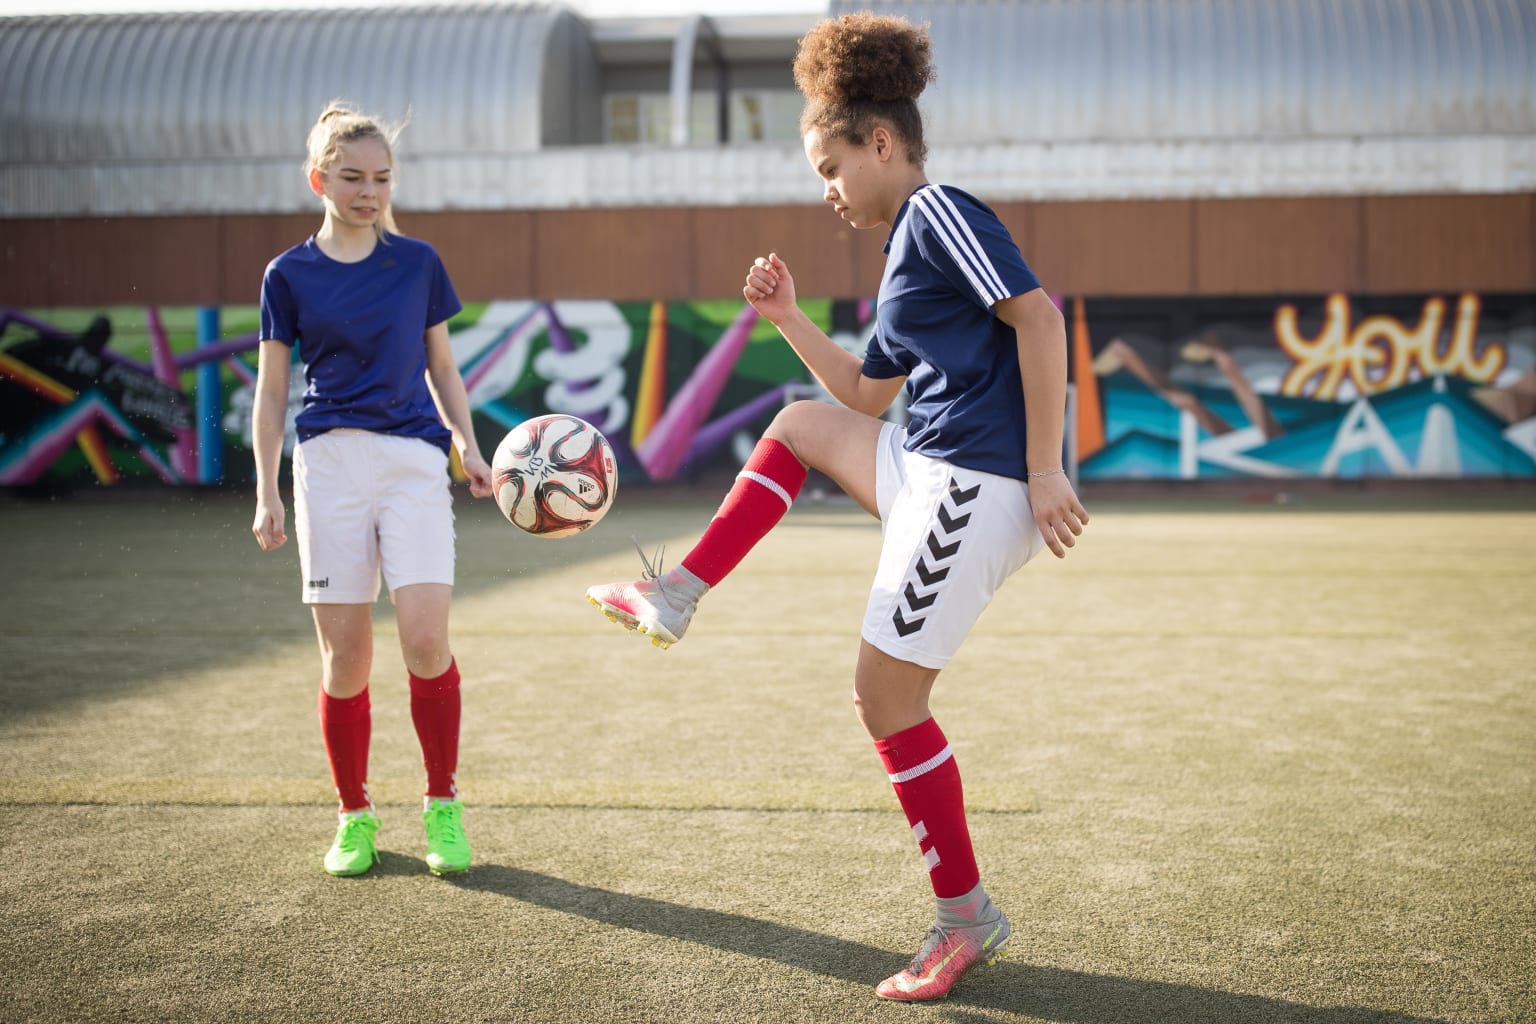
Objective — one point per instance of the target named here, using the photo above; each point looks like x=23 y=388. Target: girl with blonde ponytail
x=367 y=311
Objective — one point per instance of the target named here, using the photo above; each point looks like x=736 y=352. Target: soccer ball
x=554 y=475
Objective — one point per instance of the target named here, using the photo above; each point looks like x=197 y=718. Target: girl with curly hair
x=967 y=492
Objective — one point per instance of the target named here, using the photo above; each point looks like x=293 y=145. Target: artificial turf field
x=1225 y=763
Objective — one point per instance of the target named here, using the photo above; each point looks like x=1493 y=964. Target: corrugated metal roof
x=207 y=113
x=247 y=85
x=1053 y=71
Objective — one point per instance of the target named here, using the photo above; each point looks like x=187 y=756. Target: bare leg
x=421 y=610
x=345 y=632
x=834 y=440
x=889 y=694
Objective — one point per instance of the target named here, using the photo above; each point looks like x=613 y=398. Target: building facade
x=1293 y=237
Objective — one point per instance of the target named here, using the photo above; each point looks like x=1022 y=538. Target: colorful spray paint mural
x=1330 y=387
x=100 y=396
x=1326 y=386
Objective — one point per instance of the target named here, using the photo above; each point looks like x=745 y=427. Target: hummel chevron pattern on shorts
x=945 y=956
x=943 y=544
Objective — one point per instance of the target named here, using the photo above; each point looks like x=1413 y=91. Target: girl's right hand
x=268 y=526
x=770 y=289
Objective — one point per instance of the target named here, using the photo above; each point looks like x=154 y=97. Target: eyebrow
x=359 y=170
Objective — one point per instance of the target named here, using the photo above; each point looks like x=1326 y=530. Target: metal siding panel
x=1278 y=246
x=631 y=254
x=823 y=253
x=1115 y=248
x=1444 y=243
x=26 y=263
x=487 y=254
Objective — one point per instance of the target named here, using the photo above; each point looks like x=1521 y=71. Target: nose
x=829 y=193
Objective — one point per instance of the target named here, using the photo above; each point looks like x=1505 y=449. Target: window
x=765 y=115
x=756 y=115
x=645 y=118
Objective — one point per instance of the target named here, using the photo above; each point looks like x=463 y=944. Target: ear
x=317 y=182
x=884 y=142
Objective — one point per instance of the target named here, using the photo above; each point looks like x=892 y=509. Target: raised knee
x=790 y=421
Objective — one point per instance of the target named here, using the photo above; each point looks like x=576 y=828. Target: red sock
x=927 y=783
x=763 y=491
x=435 y=710
x=347 y=725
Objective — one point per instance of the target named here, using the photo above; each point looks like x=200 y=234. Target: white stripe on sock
x=922 y=769
x=919 y=832
x=769 y=483
x=931 y=858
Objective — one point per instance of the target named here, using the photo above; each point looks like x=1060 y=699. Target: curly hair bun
x=864 y=58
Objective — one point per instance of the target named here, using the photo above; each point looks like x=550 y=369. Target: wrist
x=791 y=317
x=1034 y=474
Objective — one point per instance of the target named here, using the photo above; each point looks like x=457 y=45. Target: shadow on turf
x=1013 y=986
x=168 y=581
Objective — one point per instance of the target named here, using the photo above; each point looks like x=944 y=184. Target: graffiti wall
x=1324 y=386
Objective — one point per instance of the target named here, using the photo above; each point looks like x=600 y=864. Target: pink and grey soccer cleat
x=660 y=606
x=944 y=958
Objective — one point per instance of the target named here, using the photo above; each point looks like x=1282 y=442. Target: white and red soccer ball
x=554 y=475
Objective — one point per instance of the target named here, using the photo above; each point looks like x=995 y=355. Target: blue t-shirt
x=360 y=330
x=949 y=260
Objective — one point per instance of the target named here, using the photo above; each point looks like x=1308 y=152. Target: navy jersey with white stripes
x=949 y=260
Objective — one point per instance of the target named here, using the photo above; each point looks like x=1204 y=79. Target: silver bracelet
x=1048 y=472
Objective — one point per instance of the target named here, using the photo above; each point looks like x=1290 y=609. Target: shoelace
x=652 y=572
x=445 y=817
x=936 y=937
x=352 y=834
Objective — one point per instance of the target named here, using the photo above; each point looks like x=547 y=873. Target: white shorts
x=365 y=501
x=951 y=537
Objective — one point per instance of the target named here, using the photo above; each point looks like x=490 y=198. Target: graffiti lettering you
x=1380 y=352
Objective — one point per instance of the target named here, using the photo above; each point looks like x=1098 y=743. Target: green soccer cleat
x=354 y=850
x=447 y=846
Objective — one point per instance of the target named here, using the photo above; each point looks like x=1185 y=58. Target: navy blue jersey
x=360 y=330
x=949 y=260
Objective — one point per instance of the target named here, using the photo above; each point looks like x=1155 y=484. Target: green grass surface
x=1225 y=764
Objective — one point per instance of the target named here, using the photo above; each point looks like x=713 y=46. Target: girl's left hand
x=479 y=474
x=1058 y=513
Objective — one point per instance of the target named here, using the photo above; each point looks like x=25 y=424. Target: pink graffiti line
x=27 y=458
x=184 y=448
x=493 y=353
x=664 y=448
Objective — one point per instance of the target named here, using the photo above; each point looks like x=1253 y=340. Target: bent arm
x=1042 y=341
x=770 y=288
x=838 y=370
